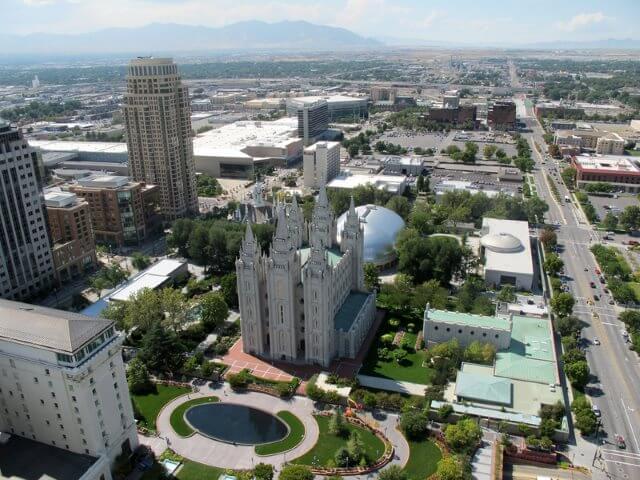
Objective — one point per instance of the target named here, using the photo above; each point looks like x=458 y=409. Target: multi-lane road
x=615 y=387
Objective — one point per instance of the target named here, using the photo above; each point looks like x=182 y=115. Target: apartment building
x=74 y=248
x=123 y=212
x=321 y=164
x=157 y=115
x=26 y=264
x=63 y=392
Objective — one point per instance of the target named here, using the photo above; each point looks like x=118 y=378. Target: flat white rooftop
x=141 y=282
x=391 y=183
x=327 y=145
x=97 y=181
x=516 y=261
x=59 y=199
x=335 y=99
x=229 y=140
x=61 y=146
x=608 y=163
x=166 y=266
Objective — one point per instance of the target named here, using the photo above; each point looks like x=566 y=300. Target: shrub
x=414 y=424
x=296 y=472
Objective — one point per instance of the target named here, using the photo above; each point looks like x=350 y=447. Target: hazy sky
x=472 y=21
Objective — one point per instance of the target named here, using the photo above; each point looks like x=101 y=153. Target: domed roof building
x=501 y=242
x=381 y=227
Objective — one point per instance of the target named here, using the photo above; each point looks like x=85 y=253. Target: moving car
x=593 y=284
x=596 y=410
x=620 y=441
x=596 y=341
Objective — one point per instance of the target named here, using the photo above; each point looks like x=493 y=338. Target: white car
x=596 y=341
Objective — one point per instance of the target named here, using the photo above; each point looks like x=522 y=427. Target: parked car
x=596 y=410
x=593 y=284
x=596 y=341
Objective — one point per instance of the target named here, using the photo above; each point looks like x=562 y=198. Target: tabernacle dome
x=381 y=227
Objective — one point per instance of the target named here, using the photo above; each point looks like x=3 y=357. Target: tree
x=394 y=472
x=174 y=307
x=420 y=183
x=214 y=310
x=568 y=326
x=143 y=310
x=229 y=289
x=117 y=312
x=630 y=218
x=399 y=355
x=631 y=318
x=548 y=237
x=138 y=377
x=140 y=261
x=354 y=150
x=535 y=208
x=429 y=258
x=562 y=304
x=506 y=294
x=610 y=221
x=161 y=350
x=463 y=435
x=355 y=447
x=400 y=205
x=578 y=373
x=296 y=472
x=337 y=425
x=500 y=154
x=569 y=176
x=525 y=164
x=488 y=151
x=414 y=424
x=432 y=293
x=371 y=276
x=553 y=264
x=263 y=471
x=451 y=468
x=554 y=150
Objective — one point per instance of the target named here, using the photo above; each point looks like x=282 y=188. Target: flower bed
x=245 y=380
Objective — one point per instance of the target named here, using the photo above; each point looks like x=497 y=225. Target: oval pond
x=236 y=423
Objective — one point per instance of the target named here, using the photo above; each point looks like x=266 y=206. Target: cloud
x=581 y=21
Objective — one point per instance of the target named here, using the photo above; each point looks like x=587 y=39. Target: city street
x=615 y=369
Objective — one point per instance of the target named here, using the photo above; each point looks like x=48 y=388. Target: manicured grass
x=296 y=434
x=191 y=470
x=423 y=459
x=634 y=153
x=328 y=444
x=177 y=420
x=149 y=405
x=411 y=368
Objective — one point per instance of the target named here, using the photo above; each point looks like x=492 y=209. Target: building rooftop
x=23 y=459
x=71 y=146
x=138 y=284
x=323 y=144
x=470 y=319
x=333 y=256
x=229 y=140
x=391 y=183
x=335 y=99
x=608 y=163
x=47 y=328
x=349 y=310
x=59 y=199
x=502 y=252
x=104 y=181
x=484 y=388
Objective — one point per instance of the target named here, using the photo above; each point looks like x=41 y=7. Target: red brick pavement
x=344 y=367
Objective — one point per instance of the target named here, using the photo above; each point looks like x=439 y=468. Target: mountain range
x=171 y=37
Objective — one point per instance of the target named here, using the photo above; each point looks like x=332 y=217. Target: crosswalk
x=618 y=458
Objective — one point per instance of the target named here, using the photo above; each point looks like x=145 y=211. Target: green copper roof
x=484 y=388
x=349 y=310
x=480 y=321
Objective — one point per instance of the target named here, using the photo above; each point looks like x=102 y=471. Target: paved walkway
x=225 y=455
x=391 y=385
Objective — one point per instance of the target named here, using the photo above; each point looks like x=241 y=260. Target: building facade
x=305 y=301
x=122 y=212
x=158 y=119
x=74 y=248
x=502 y=116
x=26 y=263
x=313 y=118
x=320 y=164
x=64 y=386
x=621 y=171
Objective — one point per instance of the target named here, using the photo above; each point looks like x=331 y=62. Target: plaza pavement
x=224 y=455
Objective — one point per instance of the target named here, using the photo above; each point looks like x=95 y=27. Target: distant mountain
x=157 y=37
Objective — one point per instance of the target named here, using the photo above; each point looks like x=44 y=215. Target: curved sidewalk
x=224 y=455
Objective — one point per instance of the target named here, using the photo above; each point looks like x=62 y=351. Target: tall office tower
x=26 y=265
x=313 y=117
x=321 y=163
x=63 y=394
x=158 y=119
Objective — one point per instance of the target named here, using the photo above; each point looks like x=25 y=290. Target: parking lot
x=436 y=140
x=604 y=205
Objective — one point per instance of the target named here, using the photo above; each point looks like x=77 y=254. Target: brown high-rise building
x=74 y=248
x=157 y=114
x=123 y=212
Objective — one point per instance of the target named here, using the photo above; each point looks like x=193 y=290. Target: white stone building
x=440 y=326
x=63 y=384
x=321 y=163
x=305 y=301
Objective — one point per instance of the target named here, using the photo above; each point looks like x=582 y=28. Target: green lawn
x=177 y=420
x=191 y=470
x=423 y=459
x=635 y=286
x=149 y=405
x=410 y=370
x=296 y=434
x=634 y=153
x=328 y=444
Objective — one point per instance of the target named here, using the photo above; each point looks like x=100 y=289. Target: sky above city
x=460 y=21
